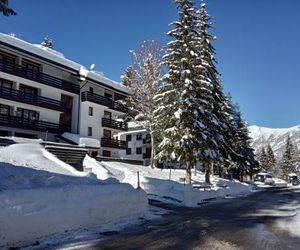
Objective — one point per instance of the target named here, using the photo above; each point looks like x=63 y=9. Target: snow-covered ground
x=165 y=184
x=40 y=196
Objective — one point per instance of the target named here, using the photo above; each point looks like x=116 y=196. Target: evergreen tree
x=47 y=42
x=289 y=159
x=221 y=125
x=142 y=78
x=271 y=161
x=263 y=160
x=184 y=113
x=5 y=9
x=243 y=155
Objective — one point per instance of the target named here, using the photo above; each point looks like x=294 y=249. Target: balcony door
x=106 y=133
x=32 y=69
x=4 y=110
x=28 y=114
x=65 y=119
x=107 y=115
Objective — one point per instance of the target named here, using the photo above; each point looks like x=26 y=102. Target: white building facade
x=139 y=145
x=43 y=95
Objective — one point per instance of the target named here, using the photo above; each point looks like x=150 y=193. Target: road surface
x=264 y=220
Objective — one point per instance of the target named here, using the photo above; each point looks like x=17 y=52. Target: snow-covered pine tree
x=221 y=124
x=142 y=78
x=184 y=114
x=289 y=159
x=5 y=9
x=47 y=42
x=271 y=161
x=263 y=160
x=243 y=154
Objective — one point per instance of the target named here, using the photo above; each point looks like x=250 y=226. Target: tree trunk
x=152 y=160
x=207 y=172
x=188 y=173
x=195 y=170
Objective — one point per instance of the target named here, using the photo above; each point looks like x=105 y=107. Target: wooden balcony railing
x=102 y=100
x=40 y=101
x=24 y=123
x=36 y=76
x=113 y=143
x=109 y=123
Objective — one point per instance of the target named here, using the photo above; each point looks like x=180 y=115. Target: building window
x=108 y=95
x=138 y=151
x=128 y=151
x=28 y=114
x=5 y=133
x=139 y=137
x=31 y=66
x=128 y=137
x=90 y=111
x=7 y=58
x=27 y=90
x=90 y=131
x=106 y=133
x=4 y=109
x=107 y=115
x=5 y=83
x=91 y=90
x=119 y=97
x=25 y=135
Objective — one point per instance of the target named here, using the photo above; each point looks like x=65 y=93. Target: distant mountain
x=276 y=137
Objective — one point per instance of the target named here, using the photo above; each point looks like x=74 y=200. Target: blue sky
x=258 y=46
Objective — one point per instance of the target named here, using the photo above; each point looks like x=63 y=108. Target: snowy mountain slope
x=276 y=137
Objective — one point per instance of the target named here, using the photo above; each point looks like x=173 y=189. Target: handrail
x=113 y=143
x=114 y=124
x=40 y=77
x=37 y=100
x=102 y=100
x=25 y=123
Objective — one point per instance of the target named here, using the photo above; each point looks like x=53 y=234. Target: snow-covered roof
x=133 y=132
x=292 y=174
x=48 y=53
x=58 y=58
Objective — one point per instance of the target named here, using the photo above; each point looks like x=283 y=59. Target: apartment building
x=43 y=94
x=139 y=145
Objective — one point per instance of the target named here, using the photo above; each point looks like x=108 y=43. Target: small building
x=139 y=145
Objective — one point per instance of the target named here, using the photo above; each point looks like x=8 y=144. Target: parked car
x=293 y=179
x=261 y=177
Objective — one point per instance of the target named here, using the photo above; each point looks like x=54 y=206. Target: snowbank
x=82 y=141
x=164 y=184
x=33 y=155
x=92 y=166
x=40 y=196
x=27 y=216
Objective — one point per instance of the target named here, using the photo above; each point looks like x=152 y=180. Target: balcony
x=32 y=75
x=20 y=122
x=113 y=143
x=102 y=100
x=36 y=100
x=109 y=123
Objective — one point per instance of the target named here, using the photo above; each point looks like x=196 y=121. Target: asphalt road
x=264 y=220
